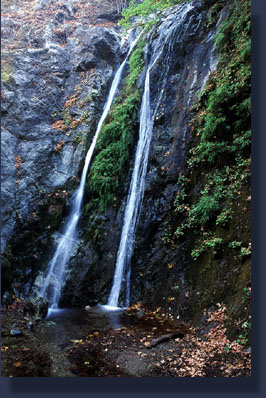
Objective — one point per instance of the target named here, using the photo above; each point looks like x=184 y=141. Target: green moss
x=116 y=140
x=213 y=14
x=206 y=243
x=212 y=208
x=6 y=72
x=222 y=115
x=219 y=158
x=142 y=9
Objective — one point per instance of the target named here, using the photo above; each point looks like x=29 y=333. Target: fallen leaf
x=171 y=299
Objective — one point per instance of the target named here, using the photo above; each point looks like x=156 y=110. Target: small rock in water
x=15 y=332
x=30 y=326
x=87 y=308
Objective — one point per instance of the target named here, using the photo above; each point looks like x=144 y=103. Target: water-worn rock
x=49 y=113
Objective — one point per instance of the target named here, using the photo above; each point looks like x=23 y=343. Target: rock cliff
x=53 y=91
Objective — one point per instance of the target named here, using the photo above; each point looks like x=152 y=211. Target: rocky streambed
x=135 y=342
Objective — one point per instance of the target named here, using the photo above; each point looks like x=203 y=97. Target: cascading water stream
x=135 y=194
x=57 y=265
x=136 y=191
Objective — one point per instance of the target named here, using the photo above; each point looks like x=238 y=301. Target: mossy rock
x=6 y=72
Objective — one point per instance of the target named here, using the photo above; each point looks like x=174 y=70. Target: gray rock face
x=8 y=189
x=192 y=58
x=52 y=104
x=44 y=76
x=187 y=59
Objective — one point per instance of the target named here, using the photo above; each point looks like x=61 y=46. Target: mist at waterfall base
x=57 y=266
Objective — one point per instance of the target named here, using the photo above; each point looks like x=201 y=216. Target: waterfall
x=171 y=26
x=57 y=265
x=135 y=197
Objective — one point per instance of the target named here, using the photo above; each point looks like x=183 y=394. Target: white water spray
x=56 y=274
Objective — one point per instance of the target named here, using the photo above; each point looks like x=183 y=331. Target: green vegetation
x=116 y=139
x=208 y=242
x=246 y=294
x=223 y=112
x=243 y=338
x=214 y=11
x=224 y=217
x=234 y=244
x=219 y=157
x=210 y=216
x=80 y=137
x=143 y=9
x=245 y=251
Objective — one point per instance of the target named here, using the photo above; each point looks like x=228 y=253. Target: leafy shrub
x=234 y=244
x=245 y=251
x=143 y=9
x=219 y=157
x=211 y=242
x=203 y=210
x=224 y=217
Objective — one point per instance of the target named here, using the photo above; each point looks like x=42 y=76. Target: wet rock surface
x=81 y=343
x=52 y=120
x=55 y=85
x=192 y=50
x=174 y=88
x=44 y=75
x=59 y=76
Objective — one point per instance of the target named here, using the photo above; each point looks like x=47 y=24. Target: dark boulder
x=87 y=63
x=112 y=17
x=36 y=309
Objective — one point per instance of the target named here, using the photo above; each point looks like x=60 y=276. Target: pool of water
x=56 y=333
